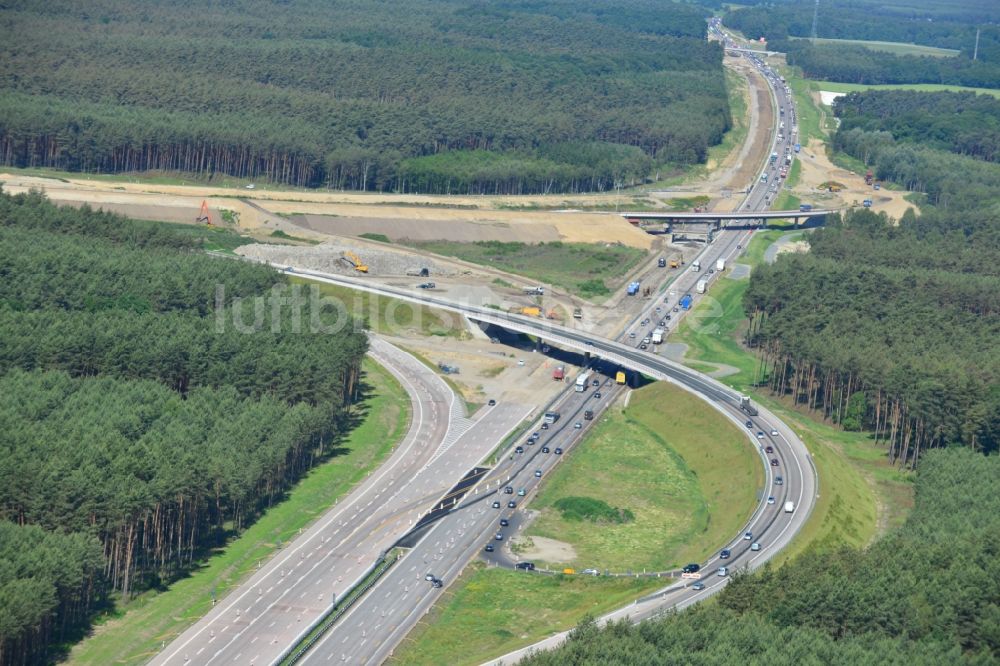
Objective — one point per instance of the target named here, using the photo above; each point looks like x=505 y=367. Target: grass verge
x=860 y=494
x=136 y=633
x=588 y=269
x=488 y=612
x=689 y=476
x=388 y=315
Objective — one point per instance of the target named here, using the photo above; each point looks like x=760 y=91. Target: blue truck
x=633 y=288
x=686 y=302
x=798 y=147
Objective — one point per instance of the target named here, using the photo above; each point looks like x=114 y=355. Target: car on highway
x=492 y=402
x=676 y=309
x=558 y=451
x=519 y=449
x=545 y=449
x=522 y=492
x=577 y=425
x=739 y=246
x=596 y=382
x=632 y=334
x=538 y=472
x=496 y=505
x=437 y=583
x=525 y=566
x=643 y=346
x=646 y=341
x=774 y=432
x=760 y=434
x=723 y=571
x=770 y=499
x=545 y=426
x=597 y=395
x=778 y=481
x=663 y=322
x=429 y=577
x=512 y=504
x=504 y=522
x=509 y=490
x=755 y=546
x=520 y=362
x=774 y=462
x=750 y=424
x=591 y=572
x=535 y=435
x=698 y=586
x=489 y=548
x=724 y=554
x=691 y=568
x=768 y=449
x=748 y=536
x=499 y=536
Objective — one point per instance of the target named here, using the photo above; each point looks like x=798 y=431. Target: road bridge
x=704 y=225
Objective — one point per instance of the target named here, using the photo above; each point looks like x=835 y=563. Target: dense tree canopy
x=927 y=594
x=441 y=95
x=896 y=327
x=141 y=421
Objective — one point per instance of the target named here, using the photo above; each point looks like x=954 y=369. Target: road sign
x=694 y=575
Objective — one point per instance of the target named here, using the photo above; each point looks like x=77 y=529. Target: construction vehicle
x=530 y=311
x=559 y=373
x=869 y=177
x=673 y=263
x=620 y=377
x=426 y=285
x=204 y=215
x=418 y=272
x=355 y=261
x=577 y=313
x=535 y=291
x=835 y=187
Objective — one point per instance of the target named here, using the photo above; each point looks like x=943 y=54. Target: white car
x=774 y=433
x=755 y=546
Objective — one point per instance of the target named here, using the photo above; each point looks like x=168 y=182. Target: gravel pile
x=329 y=258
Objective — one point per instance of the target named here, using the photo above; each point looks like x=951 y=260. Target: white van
x=789 y=507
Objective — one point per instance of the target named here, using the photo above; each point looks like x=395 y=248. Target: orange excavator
x=204 y=215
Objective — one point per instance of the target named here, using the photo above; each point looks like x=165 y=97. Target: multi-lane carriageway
x=266 y=616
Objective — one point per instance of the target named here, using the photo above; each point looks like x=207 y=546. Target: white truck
x=582 y=381
x=789 y=507
x=720 y=265
x=696 y=265
x=701 y=286
x=657 y=336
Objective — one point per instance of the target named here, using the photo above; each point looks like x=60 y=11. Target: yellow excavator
x=356 y=262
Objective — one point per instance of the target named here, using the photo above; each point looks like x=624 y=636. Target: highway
x=384 y=617
x=267 y=615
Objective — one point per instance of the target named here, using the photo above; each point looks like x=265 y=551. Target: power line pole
x=975 y=51
x=815 y=16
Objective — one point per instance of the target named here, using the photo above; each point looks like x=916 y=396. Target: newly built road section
x=267 y=615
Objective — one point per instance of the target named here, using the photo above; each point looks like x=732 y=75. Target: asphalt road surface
x=262 y=619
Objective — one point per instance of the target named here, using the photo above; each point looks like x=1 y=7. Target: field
x=688 y=476
x=833 y=86
x=135 y=631
x=489 y=612
x=896 y=48
x=590 y=270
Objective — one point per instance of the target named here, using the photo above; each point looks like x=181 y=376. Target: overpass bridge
x=703 y=225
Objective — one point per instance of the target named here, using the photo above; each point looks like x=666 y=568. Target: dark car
x=504 y=522
x=597 y=394
x=545 y=449
x=769 y=449
x=558 y=451
x=512 y=504
x=436 y=583
x=750 y=424
x=596 y=382
x=489 y=548
x=519 y=449
x=491 y=402
x=545 y=426
x=643 y=346
x=778 y=481
x=509 y=490
x=724 y=555
x=538 y=472
x=691 y=568
x=774 y=462
x=496 y=505
x=525 y=566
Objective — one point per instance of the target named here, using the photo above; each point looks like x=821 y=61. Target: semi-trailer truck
x=701 y=286
x=582 y=381
x=747 y=406
x=657 y=337
x=720 y=265
x=686 y=302
x=696 y=265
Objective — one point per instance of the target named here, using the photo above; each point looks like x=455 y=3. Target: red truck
x=559 y=374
